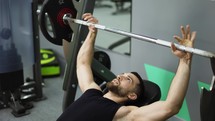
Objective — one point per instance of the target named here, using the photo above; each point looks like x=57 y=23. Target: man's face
x=123 y=84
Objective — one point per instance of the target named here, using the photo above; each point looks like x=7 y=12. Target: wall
x=162 y=19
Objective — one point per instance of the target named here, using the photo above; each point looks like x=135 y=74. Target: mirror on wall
x=113 y=14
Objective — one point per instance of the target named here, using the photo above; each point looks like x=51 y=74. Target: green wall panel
x=202 y=84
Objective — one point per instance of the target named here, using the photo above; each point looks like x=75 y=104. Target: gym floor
x=51 y=108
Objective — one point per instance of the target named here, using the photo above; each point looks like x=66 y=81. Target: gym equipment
x=152 y=93
x=55 y=10
x=11 y=72
x=103 y=58
x=18 y=24
x=69 y=18
x=207 y=101
x=49 y=64
x=140 y=37
x=10 y=95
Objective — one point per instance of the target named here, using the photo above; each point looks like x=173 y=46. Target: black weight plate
x=103 y=58
x=55 y=10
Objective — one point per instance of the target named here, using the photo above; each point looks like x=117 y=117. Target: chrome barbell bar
x=203 y=53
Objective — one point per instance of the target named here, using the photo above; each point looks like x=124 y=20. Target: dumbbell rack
x=12 y=86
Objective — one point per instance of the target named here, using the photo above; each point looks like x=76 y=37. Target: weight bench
x=207 y=98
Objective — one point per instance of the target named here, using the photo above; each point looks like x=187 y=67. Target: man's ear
x=132 y=96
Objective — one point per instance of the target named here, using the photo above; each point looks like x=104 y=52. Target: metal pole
x=142 y=37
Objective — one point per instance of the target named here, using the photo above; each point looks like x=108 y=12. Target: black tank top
x=91 y=106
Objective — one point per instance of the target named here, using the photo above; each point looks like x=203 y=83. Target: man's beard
x=116 y=89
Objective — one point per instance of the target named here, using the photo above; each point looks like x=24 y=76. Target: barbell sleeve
x=142 y=37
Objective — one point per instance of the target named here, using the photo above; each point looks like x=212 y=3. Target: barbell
x=68 y=18
x=65 y=13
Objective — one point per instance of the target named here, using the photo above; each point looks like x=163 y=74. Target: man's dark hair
x=139 y=90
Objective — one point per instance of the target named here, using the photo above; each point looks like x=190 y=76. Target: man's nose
x=120 y=78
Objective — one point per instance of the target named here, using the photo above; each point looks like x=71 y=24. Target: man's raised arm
x=162 y=110
x=85 y=56
x=180 y=82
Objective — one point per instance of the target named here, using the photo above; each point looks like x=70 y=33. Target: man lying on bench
x=126 y=88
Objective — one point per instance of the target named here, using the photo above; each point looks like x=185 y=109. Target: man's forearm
x=86 y=51
x=179 y=84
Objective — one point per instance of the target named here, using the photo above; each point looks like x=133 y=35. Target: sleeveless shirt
x=91 y=106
